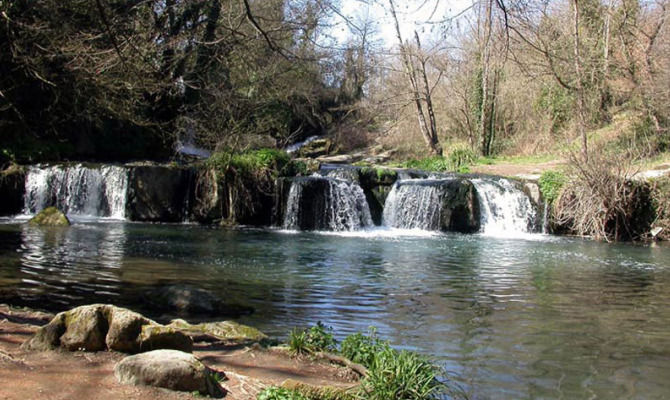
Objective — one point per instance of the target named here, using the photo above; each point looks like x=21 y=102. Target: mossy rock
x=228 y=331
x=154 y=337
x=50 y=216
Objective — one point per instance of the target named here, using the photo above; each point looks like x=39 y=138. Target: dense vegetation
x=116 y=80
x=390 y=374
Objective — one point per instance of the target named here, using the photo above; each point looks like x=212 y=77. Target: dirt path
x=78 y=375
x=516 y=169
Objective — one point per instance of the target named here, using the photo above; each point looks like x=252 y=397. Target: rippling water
x=535 y=317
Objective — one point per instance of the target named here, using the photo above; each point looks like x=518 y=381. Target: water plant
x=312 y=340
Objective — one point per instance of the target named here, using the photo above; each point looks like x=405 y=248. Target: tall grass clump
x=312 y=340
x=401 y=375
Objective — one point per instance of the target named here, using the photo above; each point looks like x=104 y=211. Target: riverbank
x=90 y=375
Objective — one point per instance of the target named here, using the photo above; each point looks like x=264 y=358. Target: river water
x=529 y=317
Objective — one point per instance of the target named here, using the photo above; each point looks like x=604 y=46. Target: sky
x=412 y=14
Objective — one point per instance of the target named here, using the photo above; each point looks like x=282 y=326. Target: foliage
x=362 y=349
x=558 y=103
x=277 y=393
x=458 y=160
x=401 y=375
x=551 y=183
x=461 y=157
x=312 y=340
x=255 y=162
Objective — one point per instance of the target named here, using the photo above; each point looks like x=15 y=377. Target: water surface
x=535 y=317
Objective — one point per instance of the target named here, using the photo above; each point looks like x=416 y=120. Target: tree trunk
x=410 y=70
x=485 y=60
x=581 y=103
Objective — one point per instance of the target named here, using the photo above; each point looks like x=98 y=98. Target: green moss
x=224 y=330
x=50 y=216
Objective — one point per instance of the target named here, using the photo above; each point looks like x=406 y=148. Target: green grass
x=278 y=393
x=312 y=340
x=551 y=183
x=392 y=374
x=270 y=161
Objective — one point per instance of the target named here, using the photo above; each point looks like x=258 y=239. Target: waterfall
x=505 y=209
x=323 y=203
x=77 y=190
x=414 y=204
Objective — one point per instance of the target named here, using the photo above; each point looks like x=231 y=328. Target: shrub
x=602 y=200
x=315 y=339
x=277 y=393
x=362 y=349
x=551 y=183
x=461 y=157
x=402 y=376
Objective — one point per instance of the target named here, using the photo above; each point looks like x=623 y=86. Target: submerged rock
x=98 y=327
x=190 y=300
x=170 y=369
x=50 y=216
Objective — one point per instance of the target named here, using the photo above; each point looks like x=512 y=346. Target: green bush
x=402 y=375
x=551 y=183
x=315 y=339
x=277 y=393
x=362 y=349
x=462 y=157
x=263 y=161
x=437 y=163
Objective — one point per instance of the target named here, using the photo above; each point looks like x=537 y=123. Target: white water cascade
x=414 y=204
x=78 y=190
x=323 y=203
x=505 y=209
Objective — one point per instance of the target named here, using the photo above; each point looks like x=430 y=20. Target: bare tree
x=418 y=80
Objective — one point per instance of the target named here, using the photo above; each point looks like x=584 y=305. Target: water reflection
x=561 y=318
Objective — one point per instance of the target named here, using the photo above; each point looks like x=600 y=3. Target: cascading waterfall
x=324 y=203
x=504 y=208
x=413 y=204
x=78 y=190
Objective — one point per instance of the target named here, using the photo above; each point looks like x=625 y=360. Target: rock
x=340 y=159
x=158 y=193
x=86 y=328
x=227 y=331
x=50 y=216
x=170 y=369
x=12 y=187
x=190 y=300
x=154 y=337
x=316 y=148
x=125 y=327
x=48 y=336
x=98 y=327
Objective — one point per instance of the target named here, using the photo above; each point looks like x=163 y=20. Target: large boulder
x=158 y=193
x=170 y=369
x=98 y=327
x=50 y=216
x=12 y=187
x=154 y=337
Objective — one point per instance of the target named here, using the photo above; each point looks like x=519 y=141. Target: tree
x=420 y=88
